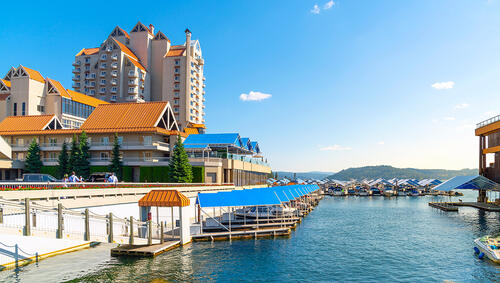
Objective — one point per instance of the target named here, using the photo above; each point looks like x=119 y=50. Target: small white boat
x=338 y=191
x=265 y=212
x=488 y=246
x=388 y=192
x=364 y=192
x=412 y=193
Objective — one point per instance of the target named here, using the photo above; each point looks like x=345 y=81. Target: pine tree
x=180 y=169
x=33 y=162
x=84 y=156
x=74 y=155
x=63 y=168
x=116 y=165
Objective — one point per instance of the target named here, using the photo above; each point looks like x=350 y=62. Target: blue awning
x=475 y=182
x=254 y=197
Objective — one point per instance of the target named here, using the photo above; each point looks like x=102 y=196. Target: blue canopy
x=254 y=197
x=475 y=182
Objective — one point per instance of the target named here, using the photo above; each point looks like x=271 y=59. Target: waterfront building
x=25 y=92
x=141 y=66
x=147 y=133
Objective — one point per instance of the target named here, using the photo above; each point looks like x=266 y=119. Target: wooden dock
x=487 y=206
x=245 y=234
x=144 y=250
x=443 y=206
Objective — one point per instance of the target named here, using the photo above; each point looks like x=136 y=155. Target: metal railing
x=488 y=121
x=89 y=185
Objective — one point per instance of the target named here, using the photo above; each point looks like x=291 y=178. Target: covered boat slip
x=487 y=189
x=254 y=212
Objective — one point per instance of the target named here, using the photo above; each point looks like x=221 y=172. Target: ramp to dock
x=241 y=234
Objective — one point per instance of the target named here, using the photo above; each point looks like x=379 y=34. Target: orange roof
x=85 y=99
x=130 y=54
x=62 y=91
x=200 y=126
x=92 y=131
x=3 y=96
x=16 y=124
x=6 y=82
x=88 y=51
x=125 y=116
x=164 y=198
x=191 y=131
x=175 y=52
x=34 y=75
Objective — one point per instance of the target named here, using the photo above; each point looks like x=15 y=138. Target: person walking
x=112 y=178
x=73 y=178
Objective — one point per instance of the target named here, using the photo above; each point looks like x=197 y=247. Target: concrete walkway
x=29 y=246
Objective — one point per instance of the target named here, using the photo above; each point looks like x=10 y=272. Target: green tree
x=83 y=160
x=74 y=155
x=63 y=167
x=116 y=165
x=33 y=162
x=180 y=170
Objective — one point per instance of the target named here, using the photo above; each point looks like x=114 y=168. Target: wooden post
x=27 y=226
x=229 y=222
x=110 y=235
x=60 y=225
x=87 y=225
x=173 y=222
x=161 y=233
x=131 y=238
x=1 y=215
x=150 y=233
x=34 y=219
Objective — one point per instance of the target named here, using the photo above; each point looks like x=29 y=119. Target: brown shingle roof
x=15 y=124
x=34 y=75
x=3 y=96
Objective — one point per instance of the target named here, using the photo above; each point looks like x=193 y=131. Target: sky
x=321 y=85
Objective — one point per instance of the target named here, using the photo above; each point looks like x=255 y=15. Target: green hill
x=389 y=172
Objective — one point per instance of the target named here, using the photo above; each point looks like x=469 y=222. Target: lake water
x=346 y=239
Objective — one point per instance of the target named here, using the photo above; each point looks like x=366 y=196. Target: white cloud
x=328 y=5
x=315 y=10
x=449 y=118
x=381 y=143
x=254 y=96
x=461 y=106
x=443 y=85
x=335 y=147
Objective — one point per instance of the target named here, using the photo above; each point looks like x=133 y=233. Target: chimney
x=152 y=28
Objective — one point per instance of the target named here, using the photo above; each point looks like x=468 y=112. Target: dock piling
x=110 y=235
x=131 y=238
x=161 y=233
x=150 y=233
x=27 y=226
x=60 y=225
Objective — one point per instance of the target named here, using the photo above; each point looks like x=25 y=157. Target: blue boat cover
x=254 y=197
x=475 y=182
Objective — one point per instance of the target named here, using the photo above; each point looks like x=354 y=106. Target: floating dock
x=245 y=234
x=443 y=206
x=144 y=250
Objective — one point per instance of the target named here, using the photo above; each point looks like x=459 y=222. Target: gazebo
x=168 y=198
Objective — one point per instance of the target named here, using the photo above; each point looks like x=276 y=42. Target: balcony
x=76 y=78
x=133 y=82
x=114 y=57
x=201 y=61
x=114 y=73
x=133 y=90
x=102 y=74
x=102 y=82
x=77 y=63
x=133 y=74
x=102 y=91
x=113 y=90
x=76 y=70
x=77 y=85
x=103 y=66
x=204 y=79
x=114 y=81
x=114 y=65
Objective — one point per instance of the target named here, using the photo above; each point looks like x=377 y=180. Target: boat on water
x=488 y=246
x=388 y=191
x=265 y=212
x=351 y=192
x=364 y=192
x=375 y=191
x=413 y=193
x=338 y=191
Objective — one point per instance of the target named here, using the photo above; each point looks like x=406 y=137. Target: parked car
x=38 y=178
x=99 y=177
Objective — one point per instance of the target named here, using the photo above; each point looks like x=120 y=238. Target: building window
x=148 y=140
x=53 y=141
x=23 y=109
x=176 y=109
x=177 y=62
x=113 y=97
x=176 y=102
x=120 y=140
x=104 y=57
x=104 y=140
x=104 y=156
x=19 y=142
x=103 y=73
x=104 y=65
x=87 y=59
x=102 y=90
x=147 y=156
x=177 y=78
x=103 y=82
x=177 y=69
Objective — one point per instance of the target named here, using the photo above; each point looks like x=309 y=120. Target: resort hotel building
x=488 y=132
x=134 y=85
x=146 y=132
x=141 y=66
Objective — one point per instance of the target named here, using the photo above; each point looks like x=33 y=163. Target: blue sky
x=351 y=81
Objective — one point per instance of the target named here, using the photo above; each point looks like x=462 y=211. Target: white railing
x=488 y=121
